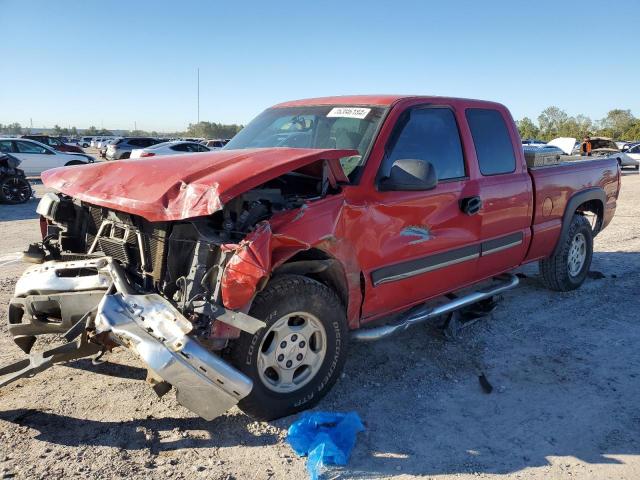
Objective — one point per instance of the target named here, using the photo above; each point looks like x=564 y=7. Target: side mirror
x=410 y=174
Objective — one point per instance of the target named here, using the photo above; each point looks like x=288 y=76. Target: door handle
x=471 y=205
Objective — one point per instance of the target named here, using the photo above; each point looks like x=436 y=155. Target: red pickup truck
x=240 y=275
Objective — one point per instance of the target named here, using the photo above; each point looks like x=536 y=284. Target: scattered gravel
x=564 y=369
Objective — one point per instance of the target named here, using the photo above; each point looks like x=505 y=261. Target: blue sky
x=118 y=62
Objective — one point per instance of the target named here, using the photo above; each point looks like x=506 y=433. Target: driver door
x=419 y=243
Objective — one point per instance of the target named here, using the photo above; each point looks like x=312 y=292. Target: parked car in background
x=606 y=147
x=14 y=187
x=624 y=145
x=55 y=143
x=123 y=147
x=216 y=144
x=532 y=142
x=85 y=142
x=634 y=154
x=104 y=141
x=103 y=146
x=169 y=148
x=37 y=157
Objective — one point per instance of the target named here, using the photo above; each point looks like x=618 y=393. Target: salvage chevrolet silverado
x=238 y=276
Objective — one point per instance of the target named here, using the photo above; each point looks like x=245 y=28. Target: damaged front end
x=171 y=284
x=94 y=307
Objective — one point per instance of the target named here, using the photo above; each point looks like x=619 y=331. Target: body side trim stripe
x=411 y=268
x=401 y=271
x=501 y=243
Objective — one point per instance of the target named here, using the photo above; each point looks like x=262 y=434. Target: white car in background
x=634 y=154
x=169 y=148
x=102 y=142
x=215 y=144
x=36 y=157
x=601 y=147
x=95 y=141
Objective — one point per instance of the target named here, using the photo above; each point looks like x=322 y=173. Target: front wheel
x=568 y=267
x=295 y=360
x=14 y=190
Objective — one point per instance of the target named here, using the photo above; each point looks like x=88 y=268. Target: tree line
x=554 y=122
x=197 y=130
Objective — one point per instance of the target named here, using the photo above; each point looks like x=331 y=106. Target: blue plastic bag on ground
x=326 y=438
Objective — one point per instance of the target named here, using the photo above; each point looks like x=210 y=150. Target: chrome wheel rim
x=292 y=352
x=577 y=254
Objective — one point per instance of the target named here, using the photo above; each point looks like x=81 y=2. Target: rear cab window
x=492 y=141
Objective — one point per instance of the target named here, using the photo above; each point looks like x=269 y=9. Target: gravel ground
x=564 y=367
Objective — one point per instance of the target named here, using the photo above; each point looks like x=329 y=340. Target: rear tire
x=305 y=340
x=73 y=162
x=125 y=155
x=568 y=267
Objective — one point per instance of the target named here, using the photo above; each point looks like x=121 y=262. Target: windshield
x=330 y=126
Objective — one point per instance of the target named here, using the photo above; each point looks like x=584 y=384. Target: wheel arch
x=321 y=266
x=591 y=200
x=74 y=162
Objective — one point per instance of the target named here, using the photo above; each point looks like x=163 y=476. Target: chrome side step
x=422 y=313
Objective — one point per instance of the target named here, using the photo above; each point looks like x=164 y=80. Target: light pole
x=198 y=95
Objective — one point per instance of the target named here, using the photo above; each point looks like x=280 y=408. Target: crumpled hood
x=175 y=187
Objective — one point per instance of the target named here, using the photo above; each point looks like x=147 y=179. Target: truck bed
x=554 y=185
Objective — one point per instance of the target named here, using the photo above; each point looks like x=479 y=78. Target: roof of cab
x=379 y=100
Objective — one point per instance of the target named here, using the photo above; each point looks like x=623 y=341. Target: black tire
x=282 y=296
x=15 y=190
x=125 y=155
x=74 y=162
x=555 y=270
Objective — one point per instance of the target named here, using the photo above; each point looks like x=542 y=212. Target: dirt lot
x=565 y=369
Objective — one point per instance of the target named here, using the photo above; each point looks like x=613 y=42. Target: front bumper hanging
x=91 y=303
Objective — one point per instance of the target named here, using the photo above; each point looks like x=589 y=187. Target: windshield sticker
x=349 y=112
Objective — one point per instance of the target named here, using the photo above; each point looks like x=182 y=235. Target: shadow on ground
x=156 y=434
x=23 y=211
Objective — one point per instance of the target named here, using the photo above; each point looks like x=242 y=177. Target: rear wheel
x=15 y=190
x=568 y=267
x=297 y=358
x=125 y=155
x=73 y=162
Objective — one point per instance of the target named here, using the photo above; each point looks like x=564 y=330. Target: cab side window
x=492 y=141
x=427 y=134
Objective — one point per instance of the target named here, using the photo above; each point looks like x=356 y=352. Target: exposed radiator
x=119 y=240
